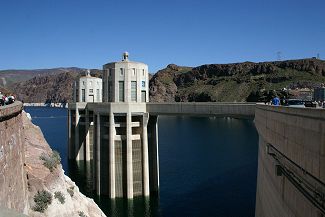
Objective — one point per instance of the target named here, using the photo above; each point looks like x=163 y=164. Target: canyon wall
x=13 y=182
x=23 y=171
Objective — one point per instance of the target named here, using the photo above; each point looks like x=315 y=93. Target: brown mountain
x=55 y=87
x=9 y=77
x=239 y=82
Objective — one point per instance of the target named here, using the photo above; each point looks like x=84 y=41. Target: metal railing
x=311 y=187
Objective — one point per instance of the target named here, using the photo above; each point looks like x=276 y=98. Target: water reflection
x=81 y=173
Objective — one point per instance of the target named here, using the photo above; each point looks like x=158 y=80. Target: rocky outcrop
x=13 y=183
x=23 y=172
x=41 y=178
x=51 y=88
x=162 y=87
x=234 y=82
x=10 y=77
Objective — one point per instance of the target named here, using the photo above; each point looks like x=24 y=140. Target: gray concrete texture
x=298 y=133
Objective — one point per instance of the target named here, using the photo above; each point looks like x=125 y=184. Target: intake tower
x=118 y=134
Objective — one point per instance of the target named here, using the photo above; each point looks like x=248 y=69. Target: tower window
x=98 y=96
x=133 y=70
x=121 y=71
x=83 y=95
x=121 y=91
x=133 y=91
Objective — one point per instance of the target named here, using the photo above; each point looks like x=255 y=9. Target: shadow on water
x=81 y=173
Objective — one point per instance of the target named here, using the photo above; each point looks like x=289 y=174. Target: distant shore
x=40 y=104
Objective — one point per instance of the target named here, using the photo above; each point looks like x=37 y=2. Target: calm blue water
x=208 y=167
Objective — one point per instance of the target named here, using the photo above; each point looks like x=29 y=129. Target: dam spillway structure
x=113 y=129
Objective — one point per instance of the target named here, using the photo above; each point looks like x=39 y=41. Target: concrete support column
x=112 y=155
x=76 y=134
x=98 y=155
x=70 y=150
x=94 y=152
x=129 y=159
x=153 y=150
x=87 y=140
x=145 y=155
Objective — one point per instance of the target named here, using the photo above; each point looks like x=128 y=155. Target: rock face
x=41 y=85
x=234 y=82
x=10 y=77
x=23 y=173
x=13 y=183
x=162 y=87
x=40 y=178
x=53 y=88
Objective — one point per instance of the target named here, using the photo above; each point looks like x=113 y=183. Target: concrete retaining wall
x=203 y=109
x=13 y=182
x=299 y=134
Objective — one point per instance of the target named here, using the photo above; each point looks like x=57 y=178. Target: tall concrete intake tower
x=118 y=134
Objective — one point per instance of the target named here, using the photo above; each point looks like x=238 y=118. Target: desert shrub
x=58 y=195
x=81 y=214
x=52 y=161
x=42 y=199
x=70 y=191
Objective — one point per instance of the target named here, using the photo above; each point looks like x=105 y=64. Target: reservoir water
x=208 y=167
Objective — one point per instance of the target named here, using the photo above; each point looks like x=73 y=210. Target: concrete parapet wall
x=13 y=185
x=178 y=108
x=202 y=109
x=299 y=134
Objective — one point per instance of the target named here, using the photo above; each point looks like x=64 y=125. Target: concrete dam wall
x=291 y=162
x=13 y=191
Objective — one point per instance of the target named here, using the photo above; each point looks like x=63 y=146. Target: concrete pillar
x=94 y=152
x=76 y=134
x=70 y=150
x=98 y=155
x=112 y=155
x=145 y=157
x=129 y=163
x=87 y=141
x=154 y=158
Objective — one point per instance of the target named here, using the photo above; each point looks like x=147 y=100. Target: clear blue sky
x=55 y=33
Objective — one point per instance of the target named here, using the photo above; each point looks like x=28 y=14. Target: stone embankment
x=22 y=172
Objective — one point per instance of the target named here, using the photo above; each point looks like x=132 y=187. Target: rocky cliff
x=54 y=87
x=13 y=182
x=10 y=77
x=27 y=166
x=246 y=81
